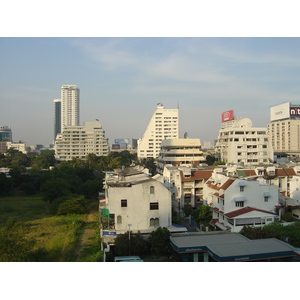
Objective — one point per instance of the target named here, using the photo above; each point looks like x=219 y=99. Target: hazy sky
x=121 y=80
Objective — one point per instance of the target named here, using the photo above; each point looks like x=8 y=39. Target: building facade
x=19 y=146
x=69 y=106
x=136 y=202
x=284 y=128
x=240 y=143
x=79 y=141
x=237 y=202
x=57 y=117
x=5 y=136
x=164 y=124
x=180 y=152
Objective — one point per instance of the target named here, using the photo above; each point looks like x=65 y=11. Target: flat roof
x=231 y=246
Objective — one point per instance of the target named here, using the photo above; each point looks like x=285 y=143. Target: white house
x=136 y=202
x=238 y=202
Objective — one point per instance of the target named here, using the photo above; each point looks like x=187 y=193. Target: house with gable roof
x=236 y=202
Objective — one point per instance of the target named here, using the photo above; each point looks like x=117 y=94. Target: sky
x=125 y=57
x=121 y=80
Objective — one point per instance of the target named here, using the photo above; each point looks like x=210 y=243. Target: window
x=151 y=189
x=153 y=205
x=242 y=188
x=124 y=203
x=154 y=222
x=119 y=219
x=239 y=204
x=266 y=198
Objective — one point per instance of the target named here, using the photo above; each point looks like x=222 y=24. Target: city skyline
x=121 y=80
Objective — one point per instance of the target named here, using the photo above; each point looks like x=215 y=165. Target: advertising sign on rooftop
x=227 y=116
x=281 y=111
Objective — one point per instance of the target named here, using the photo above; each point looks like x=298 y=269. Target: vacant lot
x=26 y=220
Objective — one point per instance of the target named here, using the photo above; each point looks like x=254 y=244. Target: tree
x=202 y=214
x=74 y=204
x=5 y=185
x=160 y=241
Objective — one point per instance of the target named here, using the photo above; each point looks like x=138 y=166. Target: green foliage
x=187 y=209
x=149 y=163
x=14 y=247
x=202 y=214
x=76 y=204
x=290 y=233
x=137 y=245
x=210 y=159
x=5 y=185
x=288 y=217
x=159 y=241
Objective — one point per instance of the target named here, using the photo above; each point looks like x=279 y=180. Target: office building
x=19 y=146
x=57 y=117
x=163 y=125
x=79 y=141
x=284 y=128
x=69 y=106
x=5 y=136
x=240 y=143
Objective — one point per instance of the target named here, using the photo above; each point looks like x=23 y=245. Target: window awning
x=242 y=183
x=267 y=194
x=238 y=199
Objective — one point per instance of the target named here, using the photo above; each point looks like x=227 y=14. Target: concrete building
x=180 y=152
x=20 y=146
x=5 y=136
x=284 y=128
x=163 y=125
x=135 y=201
x=57 y=117
x=69 y=106
x=237 y=202
x=186 y=186
x=79 y=141
x=240 y=143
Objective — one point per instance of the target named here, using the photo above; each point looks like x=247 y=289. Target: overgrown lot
x=29 y=232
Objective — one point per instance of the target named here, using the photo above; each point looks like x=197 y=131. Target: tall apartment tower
x=57 y=117
x=240 y=143
x=163 y=125
x=69 y=106
x=284 y=128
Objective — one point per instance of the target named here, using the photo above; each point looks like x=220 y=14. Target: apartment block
x=79 y=141
x=163 y=125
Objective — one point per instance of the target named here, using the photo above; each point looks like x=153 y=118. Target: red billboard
x=227 y=116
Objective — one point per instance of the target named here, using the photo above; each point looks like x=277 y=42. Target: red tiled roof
x=227 y=184
x=250 y=173
x=285 y=172
x=196 y=175
x=245 y=210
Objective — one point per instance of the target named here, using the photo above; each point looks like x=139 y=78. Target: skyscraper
x=163 y=125
x=69 y=106
x=57 y=117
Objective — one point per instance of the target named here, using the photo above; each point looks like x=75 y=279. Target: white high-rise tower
x=69 y=106
x=163 y=125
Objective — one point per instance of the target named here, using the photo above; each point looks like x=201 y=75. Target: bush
x=74 y=205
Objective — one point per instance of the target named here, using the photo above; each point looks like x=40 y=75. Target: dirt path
x=85 y=240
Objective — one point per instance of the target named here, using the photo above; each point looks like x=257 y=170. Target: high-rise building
x=240 y=143
x=5 y=136
x=69 y=106
x=284 y=128
x=163 y=125
x=79 y=141
x=57 y=117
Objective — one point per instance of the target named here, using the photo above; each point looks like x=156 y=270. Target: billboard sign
x=227 y=116
x=295 y=111
x=281 y=111
x=122 y=141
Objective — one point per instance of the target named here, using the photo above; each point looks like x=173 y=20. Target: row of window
x=153 y=205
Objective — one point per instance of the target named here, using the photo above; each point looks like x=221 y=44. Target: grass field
x=56 y=238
